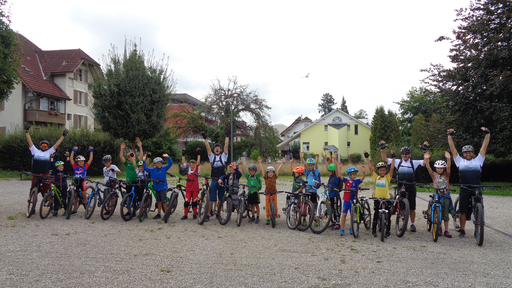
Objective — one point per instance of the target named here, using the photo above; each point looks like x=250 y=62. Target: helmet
x=253 y=167
x=406 y=149
x=44 y=142
x=80 y=158
x=270 y=168
x=299 y=170
x=59 y=163
x=233 y=165
x=440 y=164
x=380 y=164
x=106 y=159
x=467 y=148
x=217 y=145
x=331 y=167
x=310 y=161
x=183 y=169
x=351 y=169
x=139 y=163
x=157 y=159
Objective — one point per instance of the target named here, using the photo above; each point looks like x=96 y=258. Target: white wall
x=12 y=115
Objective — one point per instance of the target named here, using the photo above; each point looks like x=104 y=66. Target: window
x=326 y=127
x=70 y=116
x=337 y=119
x=356 y=129
x=305 y=147
x=348 y=127
x=79 y=75
x=43 y=104
x=30 y=101
x=2 y=105
x=348 y=144
x=56 y=106
x=80 y=121
x=2 y=130
x=326 y=143
x=306 y=125
x=80 y=98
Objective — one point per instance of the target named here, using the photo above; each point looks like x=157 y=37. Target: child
x=254 y=182
x=230 y=179
x=270 y=186
x=60 y=180
x=159 y=172
x=336 y=183
x=441 y=179
x=80 y=171
x=109 y=171
x=381 y=189
x=312 y=174
x=348 y=196
x=298 y=181
x=131 y=173
x=192 y=188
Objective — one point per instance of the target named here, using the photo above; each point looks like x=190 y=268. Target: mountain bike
x=272 y=207
x=434 y=211
x=73 y=191
x=385 y=207
x=228 y=204
x=203 y=199
x=110 y=202
x=37 y=188
x=477 y=206
x=48 y=204
x=147 y=199
x=130 y=203
x=244 y=206
x=299 y=213
x=322 y=215
x=172 y=201
x=94 y=197
x=401 y=206
x=360 y=212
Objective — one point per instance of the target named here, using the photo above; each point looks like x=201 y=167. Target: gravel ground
x=69 y=253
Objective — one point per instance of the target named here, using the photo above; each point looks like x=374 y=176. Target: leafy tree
x=10 y=59
x=295 y=149
x=266 y=139
x=384 y=127
x=327 y=104
x=361 y=114
x=343 y=106
x=131 y=97
x=418 y=130
x=478 y=85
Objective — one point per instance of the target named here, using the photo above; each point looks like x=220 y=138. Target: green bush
x=191 y=149
x=355 y=158
x=255 y=154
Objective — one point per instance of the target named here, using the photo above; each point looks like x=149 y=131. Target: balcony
x=34 y=115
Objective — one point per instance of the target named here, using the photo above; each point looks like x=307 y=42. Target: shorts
x=216 y=191
x=313 y=197
x=445 y=209
x=465 y=202
x=411 y=196
x=161 y=196
x=253 y=198
x=346 y=206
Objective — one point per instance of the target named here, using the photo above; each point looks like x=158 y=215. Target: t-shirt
x=41 y=160
x=470 y=170
x=334 y=182
x=311 y=176
x=193 y=186
x=253 y=181
x=218 y=163
x=349 y=184
x=381 y=186
x=270 y=183
x=405 y=172
x=131 y=174
x=297 y=183
x=108 y=173
x=159 y=174
x=80 y=171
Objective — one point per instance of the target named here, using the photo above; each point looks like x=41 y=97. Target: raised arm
x=121 y=156
x=451 y=144
x=90 y=155
x=291 y=164
x=139 y=144
x=27 y=134
x=325 y=161
x=183 y=160
x=64 y=134
x=487 y=138
x=364 y=172
x=242 y=166
x=280 y=166
x=72 y=156
x=367 y=156
x=392 y=169
x=208 y=149
x=426 y=162
x=335 y=161
x=448 y=162
x=226 y=145
x=302 y=159
x=383 y=146
x=316 y=162
x=261 y=167
x=198 y=151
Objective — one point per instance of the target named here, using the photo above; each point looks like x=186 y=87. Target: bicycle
x=299 y=212
x=37 y=187
x=385 y=211
x=360 y=212
x=203 y=200
x=244 y=208
x=110 y=202
x=401 y=207
x=147 y=199
x=477 y=206
x=130 y=203
x=227 y=205
x=272 y=206
x=71 y=196
x=94 y=197
x=323 y=212
x=48 y=204
x=172 y=201
x=434 y=211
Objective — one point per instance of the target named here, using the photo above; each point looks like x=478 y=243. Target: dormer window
x=337 y=119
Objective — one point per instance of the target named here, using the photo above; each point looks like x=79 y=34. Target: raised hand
x=259 y=159
x=426 y=155
x=283 y=160
x=241 y=161
x=447 y=155
x=139 y=143
x=123 y=146
x=301 y=155
x=65 y=132
x=486 y=130
x=382 y=144
x=363 y=168
x=165 y=155
x=291 y=160
x=450 y=132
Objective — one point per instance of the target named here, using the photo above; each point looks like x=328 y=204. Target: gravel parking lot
x=77 y=252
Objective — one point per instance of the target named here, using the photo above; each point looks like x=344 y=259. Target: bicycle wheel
x=323 y=219
x=382 y=226
x=46 y=205
x=71 y=200
x=367 y=215
x=241 y=210
x=306 y=215
x=436 y=223
x=273 y=214
x=145 y=205
x=32 y=200
x=225 y=210
x=354 y=221
x=109 y=206
x=402 y=220
x=456 y=216
x=91 y=204
x=202 y=206
x=429 y=216
x=171 y=205
x=128 y=207
x=292 y=216
x=479 y=224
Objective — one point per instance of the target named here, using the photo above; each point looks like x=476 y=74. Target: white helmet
x=157 y=159
x=440 y=164
x=270 y=168
x=80 y=158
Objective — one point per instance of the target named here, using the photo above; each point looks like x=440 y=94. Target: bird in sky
x=307 y=76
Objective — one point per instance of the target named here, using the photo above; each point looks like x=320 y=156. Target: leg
x=274 y=199
x=267 y=205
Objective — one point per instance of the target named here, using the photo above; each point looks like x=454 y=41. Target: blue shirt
x=334 y=181
x=158 y=174
x=311 y=176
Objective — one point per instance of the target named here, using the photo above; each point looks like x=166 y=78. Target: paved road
x=70 y=253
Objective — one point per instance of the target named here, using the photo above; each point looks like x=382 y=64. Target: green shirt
x=297 y=183
x=131 y=174
x=253 y=181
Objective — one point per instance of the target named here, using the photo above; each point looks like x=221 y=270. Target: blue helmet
x=351 y=169
x=59 y=163
x=310 y=161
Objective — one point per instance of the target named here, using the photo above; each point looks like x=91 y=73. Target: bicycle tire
x=292 y=216
x=32 y=199
x=170 y=209
x=46 y=206
x=91 y=205
x=479 y=225
x=71 y=200
x=401 y=221
x=241 y=211
x=429 y=216
x=382 y=227
x=128 y=211
x=323 y=220
x=306 y=215
x=145 y=205
x=202 y=206
x=436 y=223
x=367 y=215
x=225 y=210
x=354 y=221
x=456 y=216
x=109 y=206
x=273 y=215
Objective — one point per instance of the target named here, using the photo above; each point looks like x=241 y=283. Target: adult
x=218 y=161
x=470 y=170
x=405 y=169
x=40 y=166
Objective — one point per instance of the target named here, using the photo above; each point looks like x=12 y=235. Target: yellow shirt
x=381 y=186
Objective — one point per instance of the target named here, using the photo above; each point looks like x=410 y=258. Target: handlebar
x=180 y=178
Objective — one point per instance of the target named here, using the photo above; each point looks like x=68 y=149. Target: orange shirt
x=270 y=183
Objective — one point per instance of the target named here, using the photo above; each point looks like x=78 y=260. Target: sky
x=370 y=52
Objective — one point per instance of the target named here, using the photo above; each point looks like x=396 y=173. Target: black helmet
x=106 y=159
x=183 y=169
x=44 y=142
x=406 y=149
x=217 y=145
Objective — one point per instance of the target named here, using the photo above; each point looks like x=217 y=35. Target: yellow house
x=335 y=132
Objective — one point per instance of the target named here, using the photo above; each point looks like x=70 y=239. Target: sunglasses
x=44 y=145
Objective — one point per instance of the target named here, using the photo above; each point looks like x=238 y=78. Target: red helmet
x=233 y=165
x=299 y=170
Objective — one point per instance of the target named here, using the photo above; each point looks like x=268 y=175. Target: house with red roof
x=55 y=89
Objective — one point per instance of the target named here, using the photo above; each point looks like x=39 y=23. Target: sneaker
x=158 y=216
x=64 y=213
x=257 y=220
x=275 y=222
x=268 y=222
x=342 y=232
x=304 y=223
x=317 y=223
x=184 y=217
x=73 y=212
x=462 y=233
x=447 y=234
x=252 y=219
x=194 y=217
x=388 y=234
x=129 y=213
x=440 y=232
x=374 y=233
x=350 y=231
x=413 y=228
x=55 y=213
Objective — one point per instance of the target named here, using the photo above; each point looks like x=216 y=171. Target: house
x=335 y=132
x=54 y=89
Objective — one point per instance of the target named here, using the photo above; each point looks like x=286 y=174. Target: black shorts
x=411 y=196
x=465 y=202
x=253 y=198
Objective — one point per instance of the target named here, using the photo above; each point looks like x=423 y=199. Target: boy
x=192 y=188
x=159 y=173
x=335 y=183
x=230 y=179
x=60 y=180
x=270 y=186
x=312 y=173
x=254 y=182
x=80 y=171
x=109 y=171
x=131 y=173
x=441 y=179
x=381 y=181
x=348 y=196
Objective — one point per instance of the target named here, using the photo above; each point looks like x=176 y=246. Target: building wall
x=11 y=117
x=69 y=84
